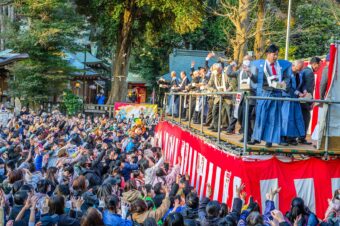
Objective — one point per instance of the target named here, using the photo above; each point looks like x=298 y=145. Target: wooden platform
x=234 y=140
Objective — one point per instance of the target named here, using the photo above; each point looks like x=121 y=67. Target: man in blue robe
x=271 y=76
x=292 y=119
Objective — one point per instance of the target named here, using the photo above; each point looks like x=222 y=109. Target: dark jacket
x=15 y=211
x=231 y=219
x=308 y=80
x=189 y=213
x=307 y=83
x=323 y=83
x=128 y=168
x=158 y=199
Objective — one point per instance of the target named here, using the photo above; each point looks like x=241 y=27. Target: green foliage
x=46 y=28
x=316 y=23
x=72 y=103
x=151 y=61
x=158 y=27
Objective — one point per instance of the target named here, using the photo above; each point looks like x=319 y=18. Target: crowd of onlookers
x=273 y=121
x=59 y=170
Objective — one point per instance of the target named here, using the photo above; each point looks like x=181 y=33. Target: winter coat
x=112 y=219
x=156 y=214
x=231 y=219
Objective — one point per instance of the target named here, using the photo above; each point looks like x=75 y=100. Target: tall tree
x=131 y=19
x=43 y=30
x=239 y=13
x=259 y=37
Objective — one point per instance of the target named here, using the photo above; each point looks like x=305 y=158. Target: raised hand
x=296 y=221
x=243 y=195
x=277 y=215
x=270 y=196
x=209 y=190
x=239 y=189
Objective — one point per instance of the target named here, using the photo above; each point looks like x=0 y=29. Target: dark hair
x=213 y=209
x=10 y=164
x=56 y=205
x=192 y=200
x=316 y=60
x=272 y=48
x=27 y=188
x=50 y=173
x=20 y=197
x=68 y=168
x=160 y=172
x=157 y=188
x=174 y=219
x=149 y=222
x=31 y=167
x=297 y=208
x=92 y=218
x=63 y=189
x=139 y=206
x=42 y=186
x=150 y=204
x=111 y=203
x=224 y=210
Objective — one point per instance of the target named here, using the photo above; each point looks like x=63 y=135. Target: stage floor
x=234 y=139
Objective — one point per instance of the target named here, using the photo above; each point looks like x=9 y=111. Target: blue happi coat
x=268 y=122
x=292 y=118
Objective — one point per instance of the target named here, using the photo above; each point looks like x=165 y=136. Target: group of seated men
x=273 y=121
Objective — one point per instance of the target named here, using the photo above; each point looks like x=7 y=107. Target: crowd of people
x=69 y=171
x=273 y=121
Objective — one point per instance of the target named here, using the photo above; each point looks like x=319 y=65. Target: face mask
x=2 y=171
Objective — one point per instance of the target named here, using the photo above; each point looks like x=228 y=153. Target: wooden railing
x=99 y=109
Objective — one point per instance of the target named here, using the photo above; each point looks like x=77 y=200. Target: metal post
x=288 y=29
x=165 y=104
x=173 y=106
x=245 y=123
x=219 y=121
x=180 y=109
x=327 y=128
x=202 y=113
x=190 y=99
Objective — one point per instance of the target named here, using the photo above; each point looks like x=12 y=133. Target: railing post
x=180 y=109
x=165 y=105
x=219 y=120
x=190 y=99
x=245 y=123
x=172 y=106
x=327 y=128
x=202 y=113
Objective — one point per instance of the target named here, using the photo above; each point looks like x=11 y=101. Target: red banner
x=312 y=179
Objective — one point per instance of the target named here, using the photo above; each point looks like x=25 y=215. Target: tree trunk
x=122 y=55
x=242 y=31
x=259 y=42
